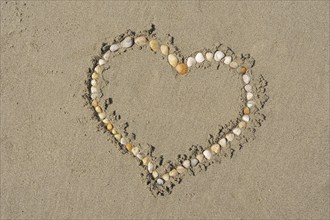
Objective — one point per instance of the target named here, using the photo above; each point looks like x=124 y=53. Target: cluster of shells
x=162 y=176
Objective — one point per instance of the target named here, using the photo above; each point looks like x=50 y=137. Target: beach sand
x=55 y=164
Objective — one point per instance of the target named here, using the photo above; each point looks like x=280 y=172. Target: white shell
x=230 y=137
x=102 y=115
x=102 y=62
x=193 y=162
x=173 y=60
x=106 y=121
x=123 y=141
x=114 y=47
x=233 y=65
x=209 y=56
x=246 y=79
x=160 y=181
x=141 y=40
x=93 y=89
x=135 y=151
x=94 y=95
x=106 y=56
x=227 y=60
x=246 y=118
x=223 y=142
x=250 y=104
x=249 y=96
x=93 y=82
x=186 y=163
x=200 y=157
x=218 y=55
x=127 y=42
x=191 y=61
x=207 y=154
x=139 y=156
x=150 y=167
x=164 y=49
x=98 y=69
x=199 y=57
x=248 y=88
x=237 y=131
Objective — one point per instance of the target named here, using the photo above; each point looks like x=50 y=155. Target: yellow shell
x=145 y=161
x=154 y=45
x=109 y=126
x=246 y=110
x=164 y=49
x=118 y=137
x=166 y=177
x=242 y=70
x=215 y=148
x=242 y=124
x=173 y=173
x=173 y=60
x=95 y=76
x=182 y=68
x=129 y=146
x=98 y=109
x=95 y=103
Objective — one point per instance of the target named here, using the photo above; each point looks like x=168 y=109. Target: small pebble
x=218 y=55
x=98 y=69
x=106 y=55
x=173 y=173
x=246 y=118
x=207 y=154
x=150 y=167
x=154 y=174
x=246 y=79
x=154 y=45
x=194 y=162
x=223 y=142
x=182 y=68
x=123 y=141
x=191 y=61
x=164 y=49
x=227 y=60
x=102 y=115
x=249 y=96
x=129 y=147
x=200 y=157
x=215 y=148
x=140 y=41
x=160 y=181
x=145 y=161
x=181 y=169
x=186 y=163
x=199 y=57
x=230 y=137
x=242 y=70
x=135 y=151
x=166 y=177
x=246 y=110
x=242 y=124
x=102 y=62
x=173 y=60
x=118 y=137
x=248 y=88
x=114 y=47
x=127 y=42
x=250 y=104
x=237 y=131
x=233 y=65
x=209 y=56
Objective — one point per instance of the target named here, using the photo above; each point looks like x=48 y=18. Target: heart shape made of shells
x=161 y=176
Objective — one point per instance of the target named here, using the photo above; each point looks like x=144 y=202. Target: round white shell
x=160 y=181
x=237 y=131
x=250 y=104
x=230 y=137
x=248 y=88
x=227 y=60
x=106 y=56
x=186 y=163
x=249 y=96
x=191 y=61
x=218 y=55
x=246 y=118
x=199 y=57
x=207 y=154
x=127 y=42
x=223 y=142
x=246 y=78
x=114 y=47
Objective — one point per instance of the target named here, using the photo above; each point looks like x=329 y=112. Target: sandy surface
x=55 y=164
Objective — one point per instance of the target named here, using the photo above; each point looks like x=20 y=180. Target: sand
x=55 y=164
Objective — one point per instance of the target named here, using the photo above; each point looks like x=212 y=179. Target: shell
x=114 y=47
x=249 y=96
x=127 y=42
x=93 y=89
x=123 y=141
x=250 y=103
x=154 y=45
x=227 y=60
x=150 y=167
x=98 y=69
x=106 y=121
x=182 y=68
x=218 y=55
x=129 y=146
x=114 y=131
x=95 y=103
x=95 y=76
x=223 y=142
x=140 y=156
x=207 y=154
x=140 y=41
x=194 y=162
x=93 y=82
x=215 y=148
x=230 y=137
x=154 y=174
x=118 y=137
x=109 y=126
x=173 y=173
x=94 y=96
x=186 y=163
x=246 y=110
x=199 y=57
x=233 y=65
x=246 y=79
x=160 y=181
x=164 y=49
x=246 y=118
x=98 y=109
x=242 y=70
x=102 y=115
x=173 y=60
x=145 y=161
x=248 y=88
x=191 y=61
x=135 y=151
x=237 y=131
x=242 y=124
x=209 y=56
x=181 y=169
x=166 y=177
x=200 y=157
x=106 y=55
x=102 y=62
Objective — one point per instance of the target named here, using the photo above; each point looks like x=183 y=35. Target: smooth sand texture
x=54 y=163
